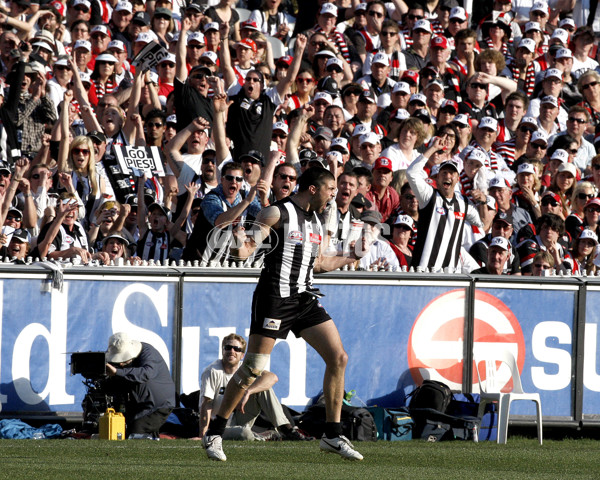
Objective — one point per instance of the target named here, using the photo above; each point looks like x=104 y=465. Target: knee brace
x=251 y=369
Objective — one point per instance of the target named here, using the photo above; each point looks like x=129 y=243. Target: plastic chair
x=244 y=14
x=277 y=46
x=491 y=393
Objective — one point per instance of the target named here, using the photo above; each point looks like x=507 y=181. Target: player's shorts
x=274 y=317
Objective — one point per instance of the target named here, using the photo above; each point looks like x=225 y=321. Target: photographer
x=139 y=370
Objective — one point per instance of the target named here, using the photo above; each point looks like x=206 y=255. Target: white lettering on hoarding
x=56 y=337
x=540 y=376
x=591 y=379
x=159 y=299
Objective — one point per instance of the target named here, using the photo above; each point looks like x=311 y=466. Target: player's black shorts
x=274 y=317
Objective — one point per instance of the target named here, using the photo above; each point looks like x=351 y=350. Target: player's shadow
x=405 y=386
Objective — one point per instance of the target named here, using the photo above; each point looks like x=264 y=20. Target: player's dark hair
x=314 y=176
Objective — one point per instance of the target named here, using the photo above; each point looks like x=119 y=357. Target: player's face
x=323 y=194
x=230 y=356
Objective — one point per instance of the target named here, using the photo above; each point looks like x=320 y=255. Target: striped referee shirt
x=441 y=221
x=288 y=268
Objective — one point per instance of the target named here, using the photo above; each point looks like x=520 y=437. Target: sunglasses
x=376 y=14
x=231 y=178
x=61 y=67
x=291 y=178
x=228 y=348
x=155 y=124
x=16 y=219
x=77 y=151
x=207 y=160
x=549 y=201
x=537 y=146
x=4 y=174
x=593 y=209
x=334 y=68
x=456 y=20
x=403 y=228
x=195 y=46
x=584 y=196
x=539 y=265
x=167 y=64
x=253 y=79
x=305 y=80
x=526 y=130
x=580 y=121
x=415 y=17
x=279 y=135
x=198 y=76
x=388 y=34
x=573 y=151
x=481 y=86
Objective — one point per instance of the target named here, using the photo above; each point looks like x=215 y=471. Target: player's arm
x=206 y=408
x=326 y=263
x=247 y=241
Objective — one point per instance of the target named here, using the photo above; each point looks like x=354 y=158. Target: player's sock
x=333 y=429
x=217 y=426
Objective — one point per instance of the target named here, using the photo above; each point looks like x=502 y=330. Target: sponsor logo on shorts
x=271 y=324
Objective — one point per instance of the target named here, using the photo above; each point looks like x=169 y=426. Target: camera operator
x=137 y=369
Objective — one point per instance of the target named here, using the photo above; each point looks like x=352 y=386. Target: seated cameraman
x=259 y=396
x=139 y=371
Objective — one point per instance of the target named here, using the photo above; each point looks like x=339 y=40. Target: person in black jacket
x=139 y=370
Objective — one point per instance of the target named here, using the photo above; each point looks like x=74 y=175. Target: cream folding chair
x=490 y=392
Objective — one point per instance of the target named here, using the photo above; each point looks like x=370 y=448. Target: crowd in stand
x=462 y=139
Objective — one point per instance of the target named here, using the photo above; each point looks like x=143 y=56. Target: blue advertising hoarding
x=40 y=328
x=591 y=360
x=536 y=323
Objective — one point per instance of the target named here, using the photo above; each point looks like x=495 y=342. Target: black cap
x=141 y=17
x=328 y=85
x=367 y=96
x=4 y=167
x=132 y=200
x=149 y=196
x=353 y=88
x=20 y=234
x=371 y=216
x=201 y=68
x=505 y=217
x=163 y=209
x=254 y=156
x=307 y=155
x=197 y=5
x=97 y=136
x=360 y=200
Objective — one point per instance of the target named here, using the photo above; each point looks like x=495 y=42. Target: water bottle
x=475 y=434
x=38 y=435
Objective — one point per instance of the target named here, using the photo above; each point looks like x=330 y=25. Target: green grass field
x=519 y=459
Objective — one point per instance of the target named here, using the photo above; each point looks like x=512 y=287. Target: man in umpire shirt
x=138 y=369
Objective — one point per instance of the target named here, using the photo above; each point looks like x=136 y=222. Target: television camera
x=102 y=391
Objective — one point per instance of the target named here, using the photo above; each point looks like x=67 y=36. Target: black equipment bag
x=357 y=422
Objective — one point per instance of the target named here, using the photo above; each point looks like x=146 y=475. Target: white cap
x=339 y=142
x=43 y=45
x=103 y=29
x=528 y=43
x=337 y=155
x=360 y=129
x=560 y=155
x=281 y=126
x=195 y=37
x=381 y=58
x=144 y=37
x=172 y=119
x=328 y=8
x=553 y=73
x=116 y=44
x=124 y=6
x=529 y=26
x=461 y=118
x=422 y=25
x=62 y=62
x=361 y=6
x=404 y=220
x=539 y=135
x=478 y=155
x=85 y=3
x=549 y=99
x=589 y=235
x=561 y=34
x=489 y=122
x=370 y=137
x=526 y=168
x=401 y=87
x=567 y=21
x=540 y=6
x=401 y=114
x=458 y=12
x=564 y=53
x=499 y=182
x=83 y=44
x=418 y=97
x=500 y=242
x=85 y=77
x=568 y=167
x=529 y=121
x=168 y=58
x=212 y=56
x=334 y=61
x=323 y=96
x=106 y=57
x=211 y=26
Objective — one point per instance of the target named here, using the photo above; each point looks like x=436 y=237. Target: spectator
x=497 y=256
x=584 y=252
x=401 y=238
x=502 y=226
x=500 y=190
x=550 y=229
x=380 y=255
x=258 y=398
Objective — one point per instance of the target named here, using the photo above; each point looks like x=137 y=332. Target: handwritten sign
x=136 y=160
